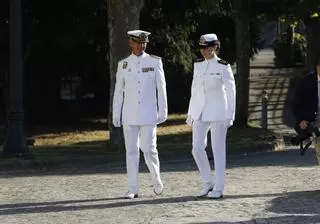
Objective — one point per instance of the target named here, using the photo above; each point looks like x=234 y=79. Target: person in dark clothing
x=306 y=105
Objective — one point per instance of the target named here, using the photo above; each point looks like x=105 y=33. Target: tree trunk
x=243 y=47
x=123 y=15
x=313 y=37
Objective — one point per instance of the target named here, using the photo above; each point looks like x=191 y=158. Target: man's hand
x=116 y=122
x=189 y=121
x=229 y=123
x=161 y=119
x=303 y=124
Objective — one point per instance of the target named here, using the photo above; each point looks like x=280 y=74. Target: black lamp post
x=15 y=139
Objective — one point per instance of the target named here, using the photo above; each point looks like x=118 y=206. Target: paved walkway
x=279 y=85
x=276 y=187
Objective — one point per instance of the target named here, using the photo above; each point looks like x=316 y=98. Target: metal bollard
x=264 y=110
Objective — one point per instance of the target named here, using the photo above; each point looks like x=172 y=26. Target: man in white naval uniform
x=211 y=107
x=139 y=104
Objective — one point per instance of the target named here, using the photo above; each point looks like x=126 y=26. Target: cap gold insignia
x=125 y=65
x=142 y=36
x=202 y=40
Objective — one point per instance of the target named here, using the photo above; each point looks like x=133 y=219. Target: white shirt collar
x=215 y=58
x=144 y=54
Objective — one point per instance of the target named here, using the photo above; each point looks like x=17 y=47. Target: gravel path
x=276 y=187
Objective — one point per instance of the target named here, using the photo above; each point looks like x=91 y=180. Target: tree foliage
x=62 y=42
x=306 y=12
x=176 y=27
x=63 y=39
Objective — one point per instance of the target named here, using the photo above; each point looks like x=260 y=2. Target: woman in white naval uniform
x=139 y=104
x=211 y=107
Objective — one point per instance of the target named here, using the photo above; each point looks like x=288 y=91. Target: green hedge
x=287 y=54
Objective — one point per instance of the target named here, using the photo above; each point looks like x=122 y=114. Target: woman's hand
x=189 y=121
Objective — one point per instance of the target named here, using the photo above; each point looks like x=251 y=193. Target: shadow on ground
x=72 y=205
x=293 y=207
x=185 y=163
x=292 y=219
x=298 y=207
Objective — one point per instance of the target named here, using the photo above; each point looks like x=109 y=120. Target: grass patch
x=89 y=146
x=70 y=138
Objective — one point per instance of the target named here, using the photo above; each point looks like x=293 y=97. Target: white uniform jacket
x=213 y=91
x=140 y=96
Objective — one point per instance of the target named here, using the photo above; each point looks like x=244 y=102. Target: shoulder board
x=223 y=62
x=155 y=56
x=200 y=60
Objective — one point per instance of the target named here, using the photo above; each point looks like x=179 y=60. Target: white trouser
x=218 y=131
x=145 y=138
